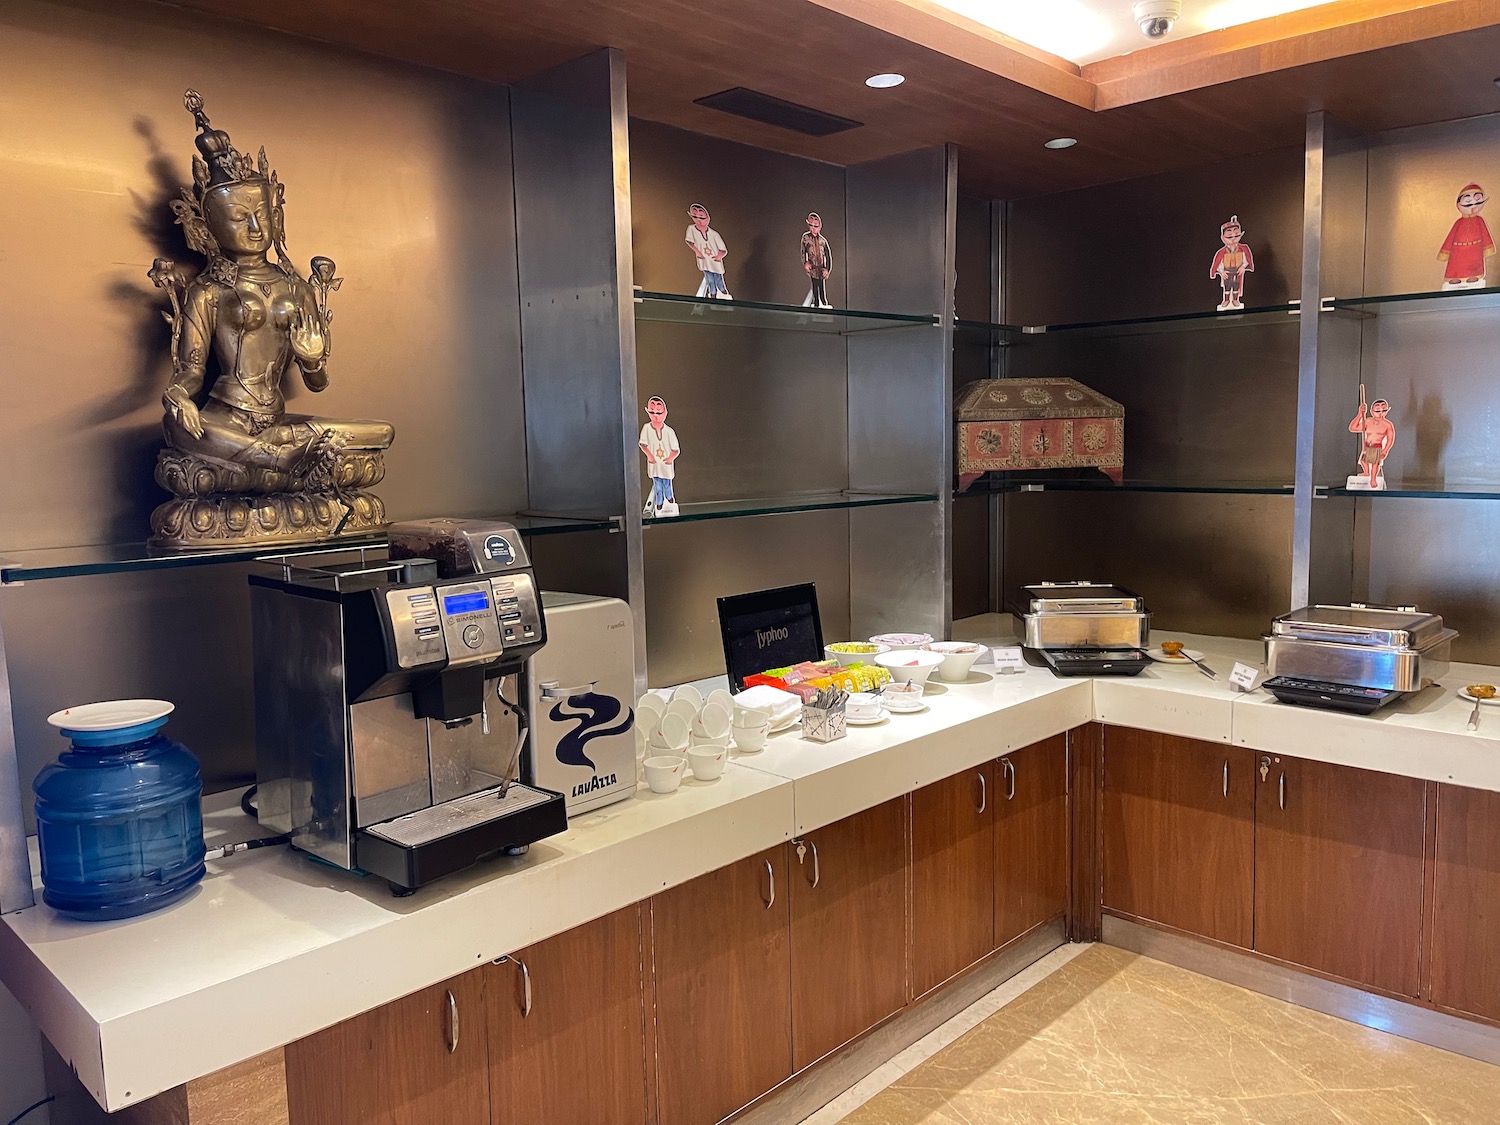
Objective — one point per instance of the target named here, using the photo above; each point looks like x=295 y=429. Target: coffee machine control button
x=473 y=636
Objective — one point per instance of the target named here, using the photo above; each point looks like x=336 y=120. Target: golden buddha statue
x=242 y=470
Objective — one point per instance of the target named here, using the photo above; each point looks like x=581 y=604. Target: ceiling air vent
x=773 y=111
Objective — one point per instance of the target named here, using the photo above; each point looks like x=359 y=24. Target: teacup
x=712 y=721
x=706 y=740
x=722 y=698
x=670 y=734
x=649 y=709
x=686 y=708
x=664 y=772
x=689 y=693
x=751 y=737
x=708 y=761
x=863 y=705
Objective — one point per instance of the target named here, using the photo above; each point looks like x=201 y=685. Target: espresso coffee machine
x=388 y=727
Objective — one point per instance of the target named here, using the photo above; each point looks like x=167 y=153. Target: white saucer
x=114 y=714
x=873 y=722
x=1157 y=654
x=1464 y=694
x=917 y=710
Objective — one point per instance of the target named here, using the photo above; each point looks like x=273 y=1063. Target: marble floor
x=1100 y=1036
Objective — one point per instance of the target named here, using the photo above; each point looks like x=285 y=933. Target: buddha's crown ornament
x=219 y=161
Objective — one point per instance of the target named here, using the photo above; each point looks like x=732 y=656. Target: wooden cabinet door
x=1338 y=871
x=952 y=877
x=567 y=1028
x=721 y=960
x=1466 y=902
x=1030 y=799
x=848 y=892
x=1179 y=833
x=417 y=1060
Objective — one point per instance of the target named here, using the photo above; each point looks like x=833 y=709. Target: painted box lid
x=998 y=400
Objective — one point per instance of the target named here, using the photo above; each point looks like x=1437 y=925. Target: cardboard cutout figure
x=659 y=444
x=817 y=262
x=1231 y=264
x=709 y=252
x=1378 y=435
x=1468 y=247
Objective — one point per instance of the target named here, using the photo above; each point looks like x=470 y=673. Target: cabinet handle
x=817 y=872
x=452 y=1023
x=770 y=885
x=525 y=988
x=1281 y=792
x=1010 y=778
x=1226 y=777
x=984 y=793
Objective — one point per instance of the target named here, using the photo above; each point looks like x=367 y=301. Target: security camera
x=1157 y=17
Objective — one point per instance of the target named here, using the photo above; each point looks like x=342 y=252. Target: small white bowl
x=708 y=762
x=664 y=772
x=903 y=697
x=863 y=705
x=848 y=658
x=900 y=642
x=909 y=666
x=958 y=658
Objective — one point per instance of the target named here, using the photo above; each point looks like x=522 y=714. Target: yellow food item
x=1172 y=648
x=1482 y=691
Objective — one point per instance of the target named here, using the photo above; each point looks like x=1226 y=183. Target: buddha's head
x=240 y=216
x=234 y=211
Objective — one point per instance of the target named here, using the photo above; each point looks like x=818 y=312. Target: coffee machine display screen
x=473 y=602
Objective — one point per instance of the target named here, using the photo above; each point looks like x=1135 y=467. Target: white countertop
x=274 y=946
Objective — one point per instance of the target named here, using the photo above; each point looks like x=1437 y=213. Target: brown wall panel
x=400 y=174
x=1204 y=564
x=689 y=566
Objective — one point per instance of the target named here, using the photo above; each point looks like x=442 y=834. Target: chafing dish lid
x=1357 y=624
x=1082 y=597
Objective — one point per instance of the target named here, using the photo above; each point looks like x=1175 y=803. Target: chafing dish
x=1388 y=648
x=1084 y=615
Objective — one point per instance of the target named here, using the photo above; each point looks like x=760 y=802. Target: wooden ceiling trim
x=1316 y=35
x=948 y=33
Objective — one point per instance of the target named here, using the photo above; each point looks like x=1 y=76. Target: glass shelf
x=781 y=505
x=1097 y=482
x=1178 y=322
x=999 y=335
x=678 y=308
x=118 y=558
x=1419 y=492
x=1436 y=301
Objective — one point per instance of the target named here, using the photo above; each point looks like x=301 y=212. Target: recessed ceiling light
x=1061 y=142
x=885 y=81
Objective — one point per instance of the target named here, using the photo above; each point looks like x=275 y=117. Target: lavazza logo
x=594 y=784
x=764 y=637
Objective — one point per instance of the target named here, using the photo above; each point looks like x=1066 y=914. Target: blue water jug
x=119 y=815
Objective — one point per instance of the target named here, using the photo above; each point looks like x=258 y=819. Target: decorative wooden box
x=1005 y=425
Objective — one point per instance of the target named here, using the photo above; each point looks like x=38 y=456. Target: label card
x=1243 y=677
x=1009 y=660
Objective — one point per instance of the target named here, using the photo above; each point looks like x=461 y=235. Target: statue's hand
x=308 y=342
x=183 y=411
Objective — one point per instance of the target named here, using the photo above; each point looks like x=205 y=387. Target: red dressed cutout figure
x=1468 y=245
x=1377 y=436
x=1231 y=264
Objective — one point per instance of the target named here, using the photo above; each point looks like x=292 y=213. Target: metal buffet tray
x=1395 y=648
x=1084 y=615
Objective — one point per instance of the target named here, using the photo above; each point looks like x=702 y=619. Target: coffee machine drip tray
x=421 y=846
